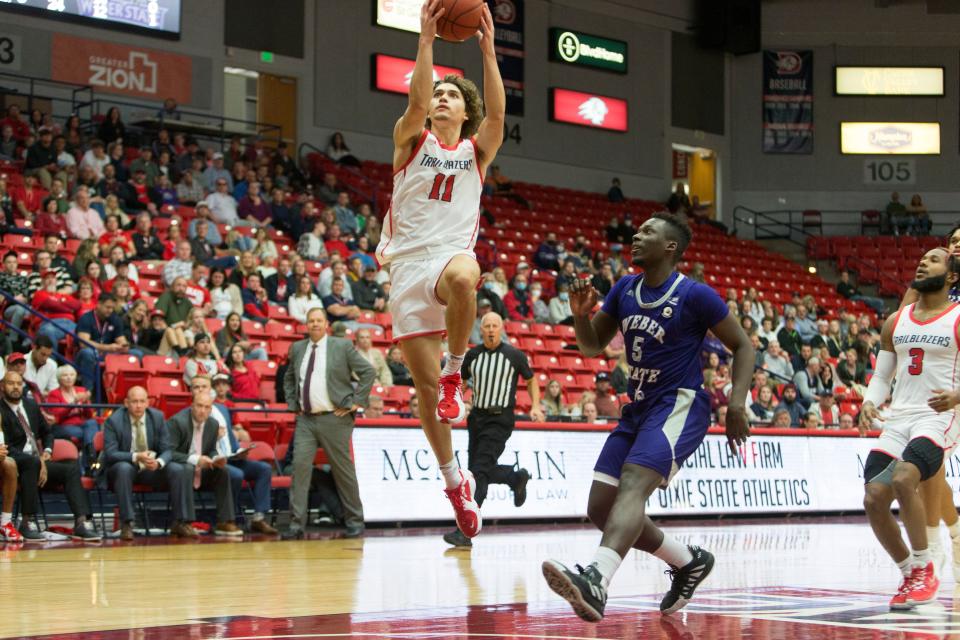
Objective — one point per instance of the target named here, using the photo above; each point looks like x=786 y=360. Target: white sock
x=906 y=566
x=453 y=364
x=954 y=529
x=921 y=557
x=451 y=473
x=607 y=561
x=5 y=518
x=673 y=553
x=933 y=537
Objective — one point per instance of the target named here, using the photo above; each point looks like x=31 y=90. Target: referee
x=493 y=367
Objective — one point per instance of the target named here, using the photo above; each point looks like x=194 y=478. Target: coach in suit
x=319 y=389
x=193 y=438
x=136 y=450
x=29 y=442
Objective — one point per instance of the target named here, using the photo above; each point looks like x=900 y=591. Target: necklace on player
x=664 y=298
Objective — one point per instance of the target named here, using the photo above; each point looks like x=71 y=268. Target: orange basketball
x=461 y=20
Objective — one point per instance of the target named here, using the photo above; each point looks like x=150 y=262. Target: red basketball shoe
x=899 y=599
x=465 y=507
x=9 y=533
x=924 y=585
x=450 y=407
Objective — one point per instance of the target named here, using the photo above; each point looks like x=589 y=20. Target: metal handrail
x=10 y=299
x=370 y=196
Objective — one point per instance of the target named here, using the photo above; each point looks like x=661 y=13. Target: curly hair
x=472 y=101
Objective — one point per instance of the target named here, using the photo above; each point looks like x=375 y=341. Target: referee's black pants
x=488 y=435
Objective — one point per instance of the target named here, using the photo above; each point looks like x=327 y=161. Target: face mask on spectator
x=535 y=293
x=489 y=286
x=521 y=286
x=564 y=296
x=617 y=248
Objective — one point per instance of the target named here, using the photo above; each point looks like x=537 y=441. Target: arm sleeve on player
x=612 y=302
x=879 y=386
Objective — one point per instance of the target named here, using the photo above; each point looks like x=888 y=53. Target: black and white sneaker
x=685 y=580
x=86 y=533
x=31 y=532
x=457 y=539
x=583 y=590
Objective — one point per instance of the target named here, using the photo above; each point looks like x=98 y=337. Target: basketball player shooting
x=443 y=145
x=919 y=346
x=664 y=317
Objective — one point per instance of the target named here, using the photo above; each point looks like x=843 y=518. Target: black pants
x=488 y=435
x=64 y=474
x=174 y=477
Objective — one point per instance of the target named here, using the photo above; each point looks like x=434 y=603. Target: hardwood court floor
x=773 y=579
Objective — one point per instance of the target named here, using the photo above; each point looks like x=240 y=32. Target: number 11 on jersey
x=447 y=190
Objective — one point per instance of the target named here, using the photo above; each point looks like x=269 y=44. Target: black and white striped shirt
x=494 y=375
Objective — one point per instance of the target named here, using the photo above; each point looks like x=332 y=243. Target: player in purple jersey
x=664 y=317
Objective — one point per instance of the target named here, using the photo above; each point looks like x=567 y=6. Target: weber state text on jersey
x=663 y=330
x=435 y=208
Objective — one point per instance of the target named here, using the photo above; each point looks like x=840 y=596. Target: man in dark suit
x=136 y=450
x=29 y=442
x=193 y=438
x=318 y=387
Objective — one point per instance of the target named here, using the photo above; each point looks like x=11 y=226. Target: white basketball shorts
x=943 y=429
x=415 y=305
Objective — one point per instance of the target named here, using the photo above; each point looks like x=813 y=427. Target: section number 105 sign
x=889 y=172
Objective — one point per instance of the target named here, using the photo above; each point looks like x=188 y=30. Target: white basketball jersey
x=926 y=357
x=435 y=208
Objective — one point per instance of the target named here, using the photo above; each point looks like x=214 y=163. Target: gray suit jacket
x=342 y=361
x=180 y=429
x=118 y=437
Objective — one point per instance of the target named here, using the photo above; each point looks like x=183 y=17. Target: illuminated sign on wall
x=588 y=110
x=389 y=73
x=898 y=138
x=153 y=17
x=888 y=81
x=573 y=47
x=399 y=14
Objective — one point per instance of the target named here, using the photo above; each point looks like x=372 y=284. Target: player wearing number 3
x=920 y=348
x=443 y=145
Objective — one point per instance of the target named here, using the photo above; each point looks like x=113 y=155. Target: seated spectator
x=103 y=329
x=246 y=382
x=763 y=409
x=846 y=421
x=215 y=172
x=567 y=275
x=517 y=301
x=8 y=144
x=552 y=403
x=58 y=307
x=73 y=423
x=203 y=213
x=805 y=324
x=620 y=375
x=280 y=285
x=225 y=297
x=364 y=342
x=232 y=334
x=264 y=248
x=163 y=192
x=145 y=163
x=782 y=419
x=398 y=368
x=615 y=194
x=13 y=119
x=850 y=291
x=82 y=220
x=136 y=327
x=604 y=280
x=189 y=190
x=254 y=296
x=497 y=184
x=546 y=256
x=41 y=370
x=16 y=285
x=329 y=191
x=345 y=215
x=223 y=207
x=140 y=195
x=29 y=198
x=541 y=312
x=789 y=338
x=560 y=312
x=146 y=244
x=338 y=151
x=897 y=218
x=334 y=243
x=41 y=161
x=606 y=399
x=812 y=421
x=678 y=200
x=86 y=295
x=304 y=299
x=851 y=370
x=114 y=236
x=827 y=409
x=95 y=274
x=340 y=309
x=792 y=405
x=919 y=218
x=253 y=208
x=311 y=245
x=247 y=266
x=181 y=266
x=800 y=360
x=367 y=292
x=205 y=252
x=119 y=266
x=807 y=381
x=201 y=360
